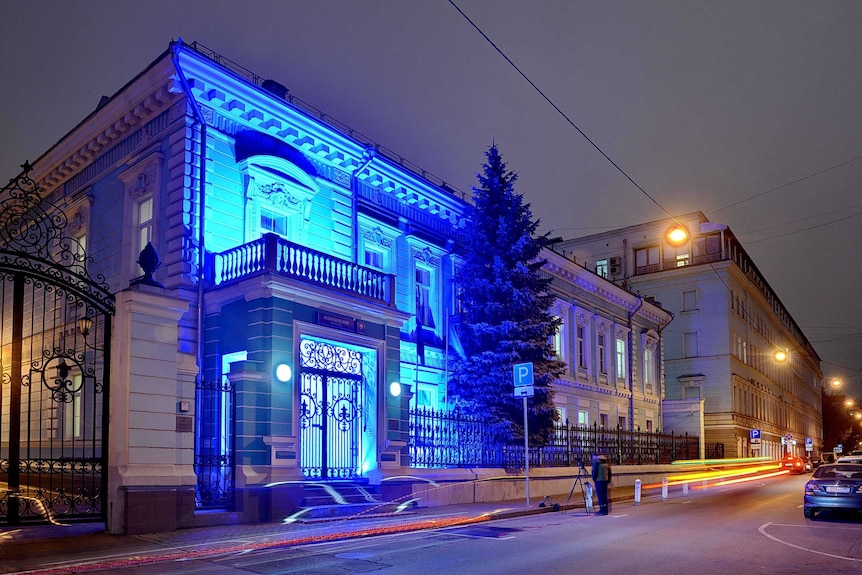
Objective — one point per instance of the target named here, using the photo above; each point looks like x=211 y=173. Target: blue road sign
x=754 y=436
x=523 y=374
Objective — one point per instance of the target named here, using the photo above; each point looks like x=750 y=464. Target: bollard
x=588 y=496
x=664 y=488
x=637 y=491
x=685 y=489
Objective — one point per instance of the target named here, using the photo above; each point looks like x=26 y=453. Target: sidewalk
x=45 y=548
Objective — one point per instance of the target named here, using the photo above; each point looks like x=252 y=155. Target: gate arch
x=55 y=325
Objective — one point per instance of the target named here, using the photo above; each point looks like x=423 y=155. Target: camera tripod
x=579 y=480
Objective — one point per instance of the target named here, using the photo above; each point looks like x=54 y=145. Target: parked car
x=850 y=459
x=795 y=464
x=833 y=486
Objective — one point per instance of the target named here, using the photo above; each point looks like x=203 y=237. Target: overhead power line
x=796 y=181
x=559 y=111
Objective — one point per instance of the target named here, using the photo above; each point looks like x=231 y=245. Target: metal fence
x=214 y=444
x=456 y=439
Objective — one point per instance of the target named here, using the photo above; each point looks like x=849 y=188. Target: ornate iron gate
x=55 y=356
x=330 y=410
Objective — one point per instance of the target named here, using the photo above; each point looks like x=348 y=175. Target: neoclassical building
x=720 y=349
x=215 y=294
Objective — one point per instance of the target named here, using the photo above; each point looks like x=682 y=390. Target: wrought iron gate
x=55 y=356
x=214 y=444
x=330 y=410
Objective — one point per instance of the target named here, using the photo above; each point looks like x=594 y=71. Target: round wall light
x=395 y=389
x=283 y=372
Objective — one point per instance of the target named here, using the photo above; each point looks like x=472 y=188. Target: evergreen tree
x=504 y=316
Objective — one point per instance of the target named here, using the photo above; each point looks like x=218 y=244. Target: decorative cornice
x=230 y=104
x=114 y=121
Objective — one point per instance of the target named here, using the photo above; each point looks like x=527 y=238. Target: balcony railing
x=273 y=254
x=670 y=264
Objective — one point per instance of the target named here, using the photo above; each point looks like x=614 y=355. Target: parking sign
x=754 y=436
x=523 y=374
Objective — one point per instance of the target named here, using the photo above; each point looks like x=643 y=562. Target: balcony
x=670 y=264
x=273 y=254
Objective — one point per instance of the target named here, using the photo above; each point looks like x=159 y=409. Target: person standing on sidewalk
x=602 y=475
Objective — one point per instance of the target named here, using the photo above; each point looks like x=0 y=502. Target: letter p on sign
x=523 y=374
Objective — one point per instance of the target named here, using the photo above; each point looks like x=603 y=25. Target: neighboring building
x=612 y=343
x=728 y=324
x=294 y=308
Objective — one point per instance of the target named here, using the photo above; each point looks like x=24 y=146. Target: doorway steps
x=331 y=500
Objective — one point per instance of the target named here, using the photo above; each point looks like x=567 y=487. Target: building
x=611 y=340
x=720 y=349
x=292 y=310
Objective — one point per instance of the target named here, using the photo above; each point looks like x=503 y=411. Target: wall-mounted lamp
x=395 y=389
x=283 y=372
x=781 y=355
x=85 y=325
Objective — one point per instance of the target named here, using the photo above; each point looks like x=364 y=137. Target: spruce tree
x=504 y=310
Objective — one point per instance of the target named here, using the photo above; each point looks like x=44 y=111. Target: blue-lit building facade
x=300 y=304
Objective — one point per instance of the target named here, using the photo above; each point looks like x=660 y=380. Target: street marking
x=763 y=532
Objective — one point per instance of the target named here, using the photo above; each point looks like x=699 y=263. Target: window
x=557 y=341
x=621 y=357
x=583 y=418
x=647 y=259
x=426 y=396
x=374 y=259
x=582 y=348
x=142 y=184
x=279 y=194
x=602 y=268
x=424 y=312
x=649 y=369
x=649 y=426
x=689 y=344
x=144 y=224
x=72 y=412
x=689 y=300
x=707 y=248
x=271 y=221
x=622 y=422
x=603 y=420
x=679 y=256
x=600 y=349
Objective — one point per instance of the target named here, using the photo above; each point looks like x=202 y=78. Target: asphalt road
x=755 y=527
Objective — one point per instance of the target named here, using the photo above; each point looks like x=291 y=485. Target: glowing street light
x=677 y=235
x=836 y=383
x=780 y=355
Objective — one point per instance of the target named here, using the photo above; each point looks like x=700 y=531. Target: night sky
x=748 y=111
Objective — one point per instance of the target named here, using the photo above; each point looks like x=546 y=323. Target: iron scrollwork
x=62 y=384
x=324 y=356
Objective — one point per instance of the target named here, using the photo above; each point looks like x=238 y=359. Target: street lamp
x=677 y=235
x=836 y=383
x=781 y=355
